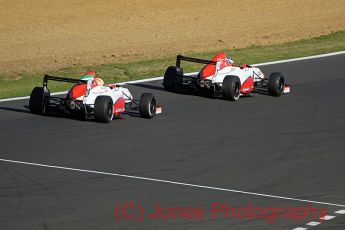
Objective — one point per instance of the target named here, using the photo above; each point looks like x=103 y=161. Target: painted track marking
x=313 y=223
x=171 y=182
x=326 y=217
x=340 y=212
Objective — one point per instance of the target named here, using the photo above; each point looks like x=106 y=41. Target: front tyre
x=38 y=103
x=231 y=88
x=104 y=109
x=276 y=84
x=147 y=105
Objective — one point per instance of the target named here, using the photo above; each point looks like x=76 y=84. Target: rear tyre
x=104 y=109
x=38 y=104
x=231 y=88
x=276 y=84
x=173 y=79
x=147 y=105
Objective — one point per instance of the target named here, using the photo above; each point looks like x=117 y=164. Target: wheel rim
x=281 y=85
x=110 y=111
x=44 y=109
x=44 y=105
x=153 y=107
x=237 y=90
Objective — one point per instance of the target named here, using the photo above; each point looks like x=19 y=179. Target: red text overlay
x=133 y=211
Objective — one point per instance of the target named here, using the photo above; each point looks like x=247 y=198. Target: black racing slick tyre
x=173 y=79
x=37 y=103
x=147 y=105
x=276 y=84
x=104 y=109
x=231 y=88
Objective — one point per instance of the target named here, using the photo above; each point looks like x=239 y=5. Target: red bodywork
x=248 y=85
x=210 y=69
x=119 y=106
x=79 y=90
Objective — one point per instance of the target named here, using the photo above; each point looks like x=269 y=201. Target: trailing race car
x=220 y=77
x=89 y=98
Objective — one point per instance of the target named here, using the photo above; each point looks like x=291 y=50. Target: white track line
x=160 y=78
x=299 y=228
x=171 y=182
x=313 y=223
x=27 y=97
x=316 y=223
x=327 y=217
x=301 y=58
x=141 y=80
x=340 y=212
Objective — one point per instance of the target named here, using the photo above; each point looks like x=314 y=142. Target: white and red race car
x=220 y=77
x=90 y=99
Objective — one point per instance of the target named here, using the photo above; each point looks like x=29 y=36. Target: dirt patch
x=40 y=35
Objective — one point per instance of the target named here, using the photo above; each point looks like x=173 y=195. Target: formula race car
x=220 y=77
x=89 y=98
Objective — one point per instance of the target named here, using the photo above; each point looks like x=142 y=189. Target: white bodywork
x=243 y=73
x=115 y=92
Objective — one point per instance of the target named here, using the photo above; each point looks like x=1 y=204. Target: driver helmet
x=91 y=75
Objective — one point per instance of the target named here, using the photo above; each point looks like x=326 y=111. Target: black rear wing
x=180 y=58
x=55 y=101
x=63 y=79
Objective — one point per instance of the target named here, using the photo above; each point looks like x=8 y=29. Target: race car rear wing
x=58 y=101
x=63 y=79
x=180 y=58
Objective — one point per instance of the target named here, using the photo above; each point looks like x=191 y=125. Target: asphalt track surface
x=292 y=146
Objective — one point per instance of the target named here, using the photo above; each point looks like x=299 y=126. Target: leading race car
x=89 y=98
x=220 y=77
